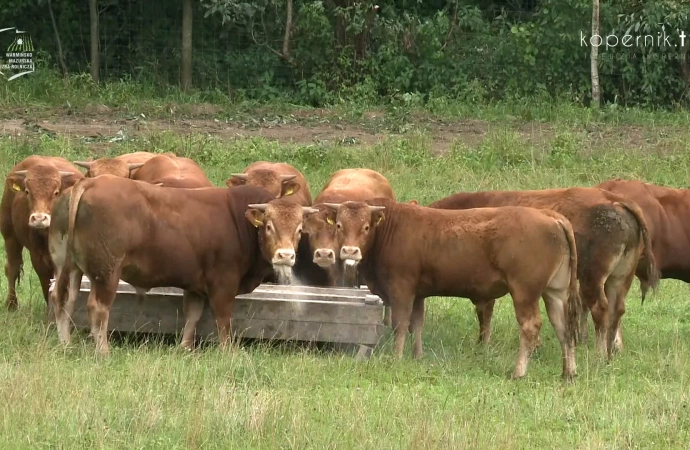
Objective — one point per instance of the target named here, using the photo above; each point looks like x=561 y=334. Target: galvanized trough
x=301 y=313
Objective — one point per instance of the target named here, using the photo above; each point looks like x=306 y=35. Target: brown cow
x=344 y=185
x=667 y=213
x=172 y=171
x=165 y=244
x=280 y=179
x=122 y=166
x=25 y=216
x=408 y=252
x=611 y=235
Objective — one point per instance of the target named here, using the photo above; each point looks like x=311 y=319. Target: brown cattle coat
x=44 y=177
x=410 y=252
x=198 y=240
x=667 y=213
x=172 y=171
x=611 y=234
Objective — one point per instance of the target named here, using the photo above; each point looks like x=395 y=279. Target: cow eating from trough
x=122 y=165
x=162 y=243
x=344 y=185
x=407 y=253
x=31 y=188
x=611 y=235
x=285 y=181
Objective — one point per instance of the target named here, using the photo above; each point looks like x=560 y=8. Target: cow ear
x=329 y=216
x=255 y=217
x=290 y=187
x=377 y=217
x=15 y=183
x=234 y=181
x=413 y=202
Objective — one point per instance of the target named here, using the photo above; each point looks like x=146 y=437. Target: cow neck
x=382 y=241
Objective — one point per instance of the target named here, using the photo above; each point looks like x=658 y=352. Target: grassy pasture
x=150 y=395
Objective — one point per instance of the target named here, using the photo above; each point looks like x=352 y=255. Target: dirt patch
x=104 y=127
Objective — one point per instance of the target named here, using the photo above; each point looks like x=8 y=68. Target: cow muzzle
x=39 y=220
x=324 y=257
x=351 y=255
x=284 y=257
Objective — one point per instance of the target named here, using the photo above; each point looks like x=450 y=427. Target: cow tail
x=651 y=275
x=575 y=305
x=77 y=191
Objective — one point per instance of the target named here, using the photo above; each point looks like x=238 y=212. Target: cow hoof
x=12 y=305
x=517 y=376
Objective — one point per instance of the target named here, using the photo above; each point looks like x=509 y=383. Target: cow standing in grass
x=667 y=214
x=611 y=236
x=31 y=188
x=408 y=252
x=162 y=242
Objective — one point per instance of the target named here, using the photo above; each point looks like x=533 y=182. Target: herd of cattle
x=155 y=220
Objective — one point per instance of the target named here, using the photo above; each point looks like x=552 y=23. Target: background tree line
x=317 y=52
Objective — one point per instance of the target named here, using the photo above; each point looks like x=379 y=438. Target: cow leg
x=616 y=291
x=101 y=297
x=584 y=325
x=64 y=320
x=13 y=268
x=221 y=300
x=556 y=301
x=192 y=307
x=595 y=297
x=387 y=315
x=416 y=325
x=485 y=310
x=402 y=305
x=45 y=272
x=529 y=318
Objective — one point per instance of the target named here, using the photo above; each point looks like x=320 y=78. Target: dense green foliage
x=409 y=51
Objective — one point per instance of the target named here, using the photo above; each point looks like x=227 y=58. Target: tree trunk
x=61 y=57
x=186 y=63
x=594 y=55
x=95 y=59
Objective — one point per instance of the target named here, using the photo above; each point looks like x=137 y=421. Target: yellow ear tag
x=16 y=187
x=289 y=191
x=379 y=221
x=329 y=220
x=257 y=222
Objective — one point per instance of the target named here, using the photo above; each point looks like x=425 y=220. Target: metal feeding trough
x=282 y=312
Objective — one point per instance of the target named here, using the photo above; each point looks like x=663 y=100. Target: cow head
x=276 y=184
x=320 y=228
x=41 y=185
x=355 y=225
x=280 y=229
x=112 y=166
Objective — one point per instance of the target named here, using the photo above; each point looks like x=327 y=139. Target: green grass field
x=151 y=395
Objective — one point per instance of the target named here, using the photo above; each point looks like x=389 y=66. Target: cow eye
x=366 y=227
x=338 y=226
x=26 y=191
x=56 y=193
x=269 y=227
